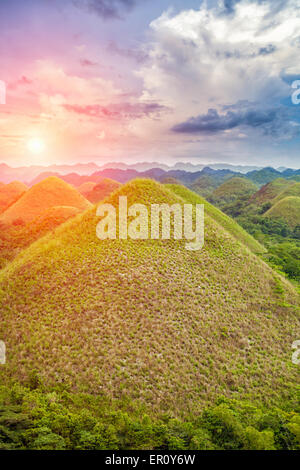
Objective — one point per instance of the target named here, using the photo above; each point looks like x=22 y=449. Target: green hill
x=204 y=185
x=226 y=222
x=292 y=190
x=269 y=191
x=233 y=189
x=170 y=180
x=287 y=209
x=263 y=176
x=149 y=321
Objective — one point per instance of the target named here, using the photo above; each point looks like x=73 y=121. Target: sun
x=36 y=145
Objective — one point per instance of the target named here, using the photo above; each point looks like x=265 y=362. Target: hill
x=14 y=238
x=148 y=320
x=49 y=220
x=264 y=176
x=291 y=190
x=204 y=185
x=269 y=191
x=101 y=190
x=169 y=180
x=86 y=188
x=220 y=218
x=9 y=193
x=233 y=189
x=48 y=193
x=287 y=209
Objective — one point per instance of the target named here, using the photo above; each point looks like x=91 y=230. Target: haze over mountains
x=30 y=173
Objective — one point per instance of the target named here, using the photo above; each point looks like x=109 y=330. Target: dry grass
x=233 y=189
x=287 y=209
x=148 y=319
x=48 y=193
x=86 y=188
x=10 y=193
x=270 y=190
x=101 y=190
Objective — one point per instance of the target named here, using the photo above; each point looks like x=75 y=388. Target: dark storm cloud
x=276 y=122
x=107 y=9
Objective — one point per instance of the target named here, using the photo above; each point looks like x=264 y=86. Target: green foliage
x=59 y=420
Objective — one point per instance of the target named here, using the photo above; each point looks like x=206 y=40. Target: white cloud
x=204 y=58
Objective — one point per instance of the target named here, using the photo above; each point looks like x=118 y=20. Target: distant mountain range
x=29 y=173
x=187 y=173
x=259 y=177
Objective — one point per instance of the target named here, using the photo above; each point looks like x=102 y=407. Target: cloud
x=87 y=63
x=118 y=110
x=277 y=122
x=201 y=56
x=106 y=9
x=22 y=81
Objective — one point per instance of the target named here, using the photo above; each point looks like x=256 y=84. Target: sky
x=150 y=80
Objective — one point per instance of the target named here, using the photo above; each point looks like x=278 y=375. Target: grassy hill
x=204 y=185
x=101 y=190
x=264 y=175
x=9 y=193
x=269 y=191
x=287 y=209
x=13 y=239
x=170 y=180
x=50 y=219
x=48 y=193
x=86 y=188
x=220 y=218
x=233 y=189
x=149 y=321
x=292 y=190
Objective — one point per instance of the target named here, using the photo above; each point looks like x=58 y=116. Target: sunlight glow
x=36 y=145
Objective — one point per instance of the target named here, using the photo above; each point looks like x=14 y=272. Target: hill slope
x=204 y=185
x=233 y=189
x=263 y=176
x=86 y=188
x=14 y=239
x=292 y=190
x=149 y=320
x=269 y=191
x=9 y=193
x=102 y=190
x=48 y=193
x=220 y=218
x=287 y=209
